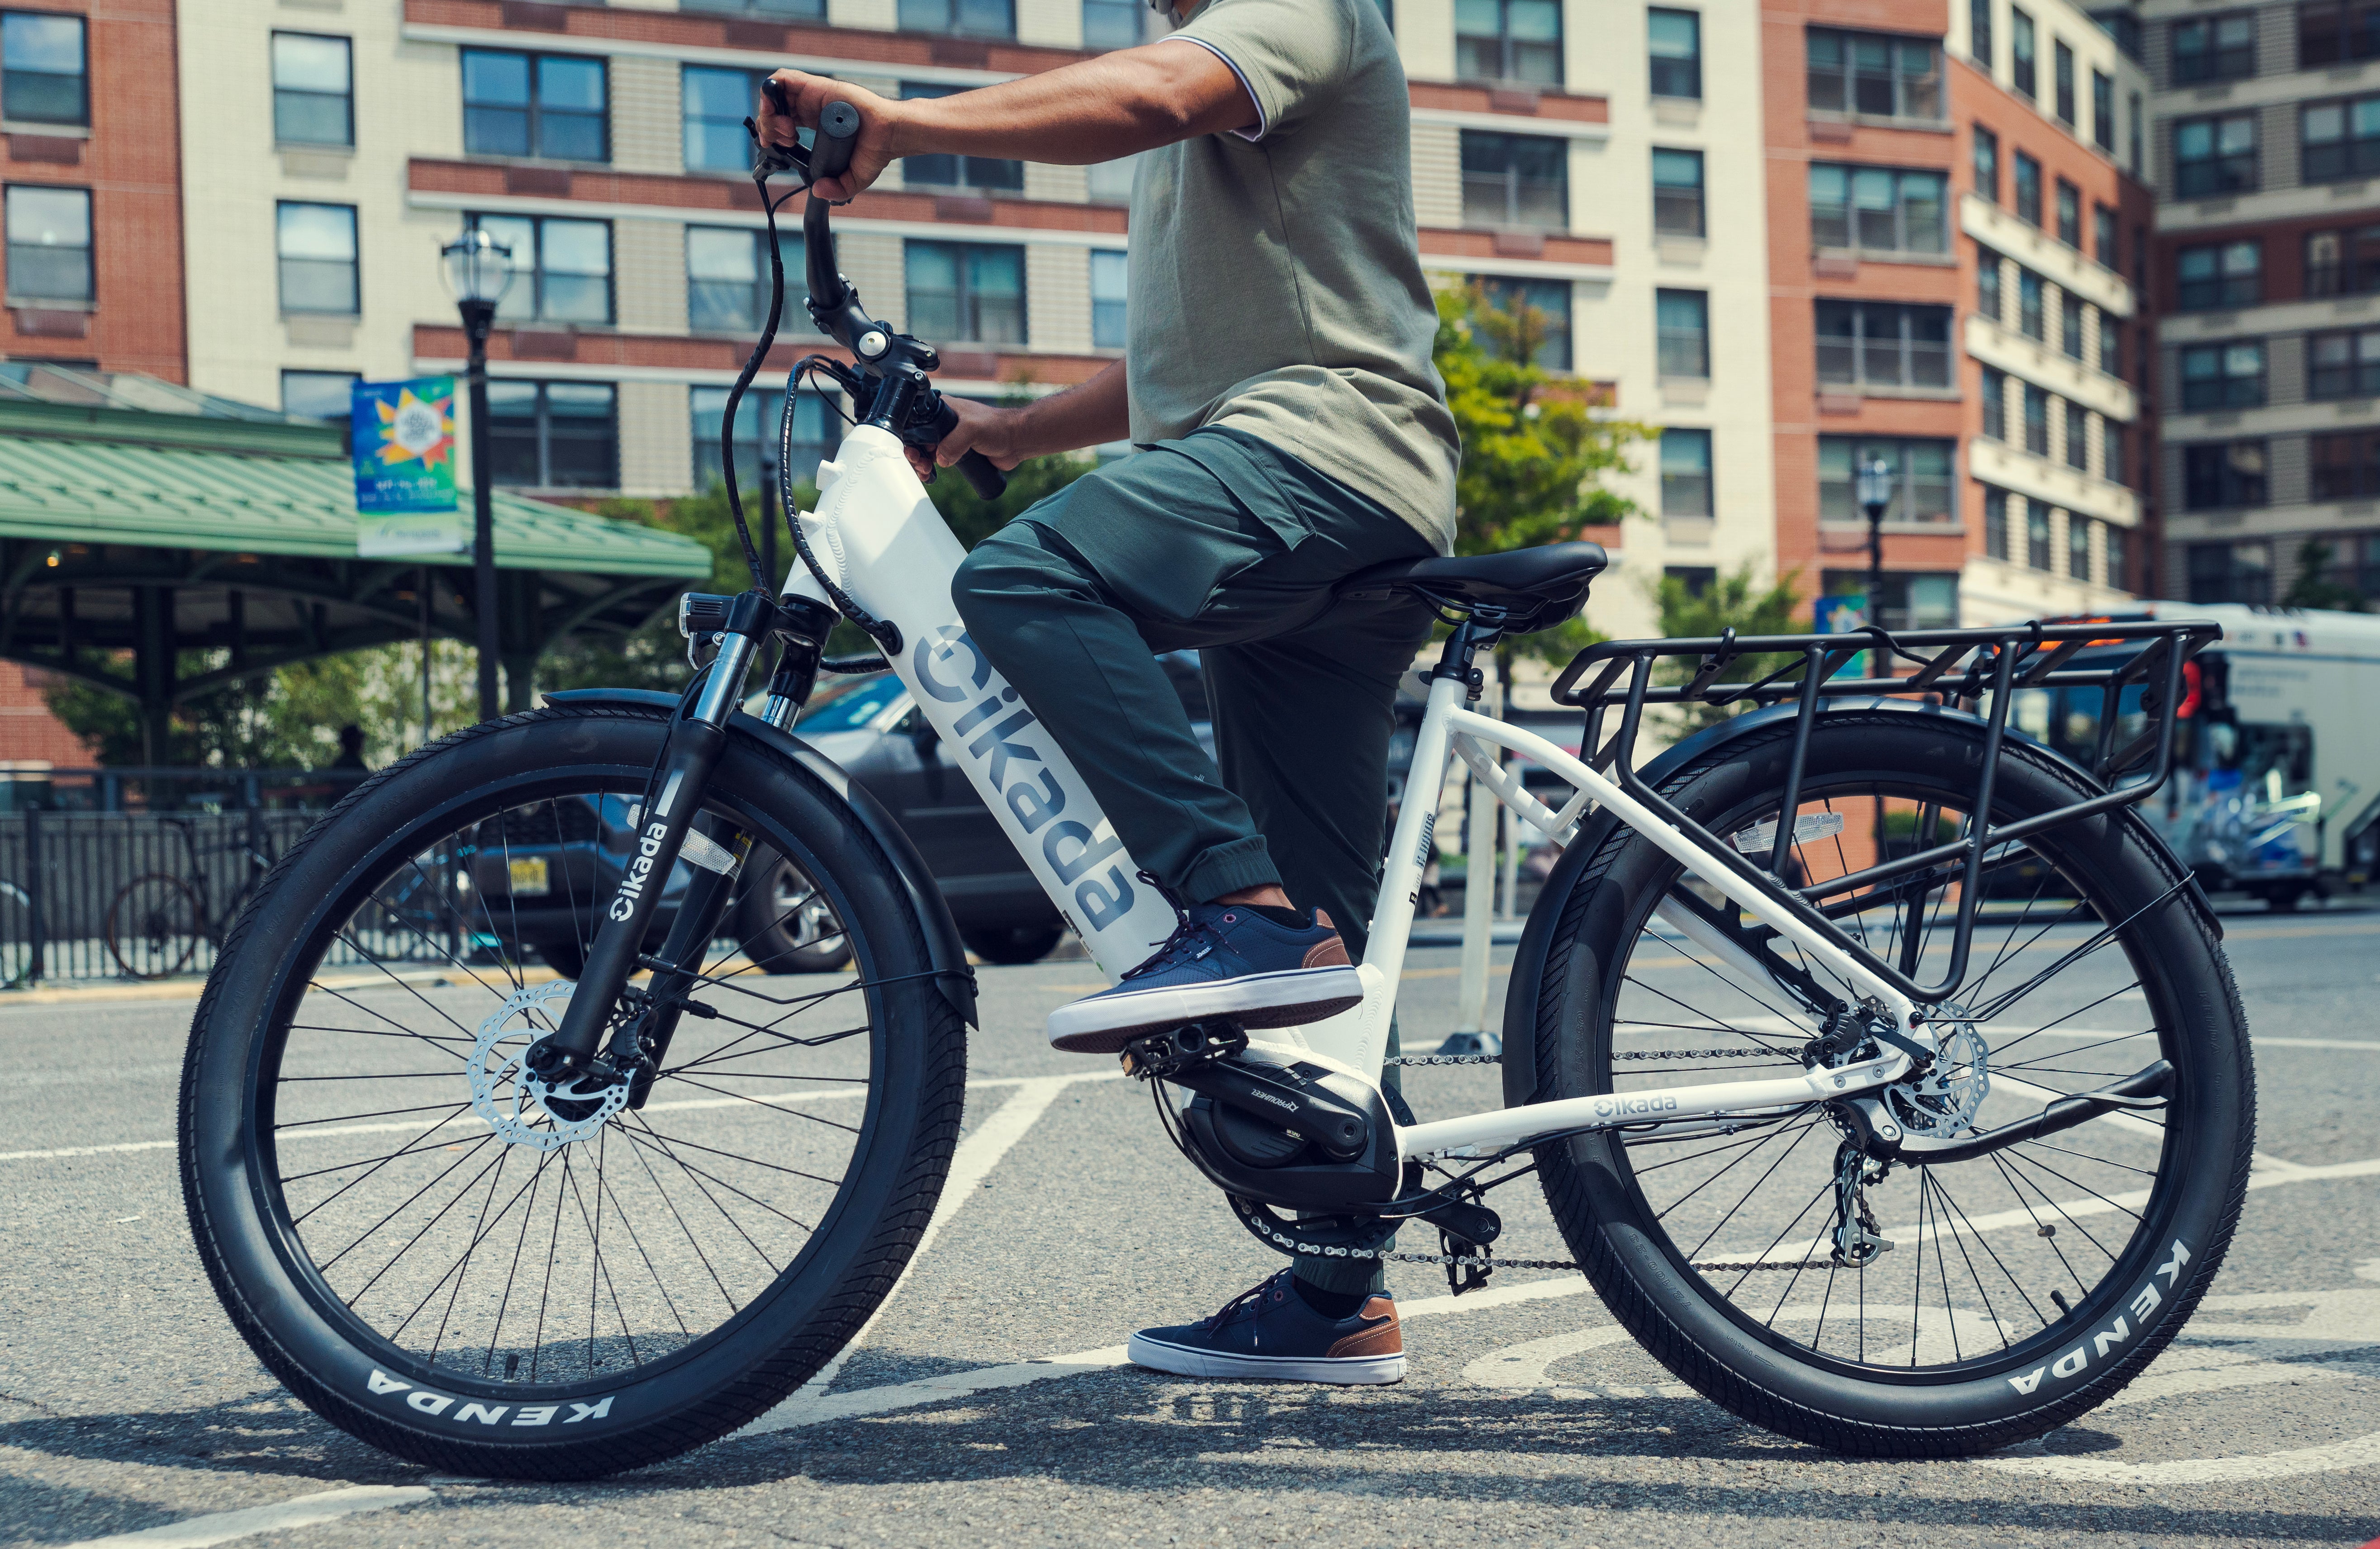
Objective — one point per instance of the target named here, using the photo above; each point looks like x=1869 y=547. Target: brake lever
x=769 y=160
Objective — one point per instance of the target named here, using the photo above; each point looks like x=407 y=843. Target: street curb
x=191 y=988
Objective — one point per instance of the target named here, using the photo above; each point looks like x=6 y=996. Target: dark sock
x=1330 y=1304
x=1289 y=919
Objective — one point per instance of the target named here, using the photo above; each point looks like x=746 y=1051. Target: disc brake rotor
x=513 y=1101
x=1944 y=1101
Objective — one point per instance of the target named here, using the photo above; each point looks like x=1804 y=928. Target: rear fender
x=951 y=976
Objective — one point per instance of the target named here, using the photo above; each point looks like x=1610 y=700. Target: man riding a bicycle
x=1291 y=431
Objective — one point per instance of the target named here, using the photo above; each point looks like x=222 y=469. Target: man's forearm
x=1089 y=414
x=1094 y=111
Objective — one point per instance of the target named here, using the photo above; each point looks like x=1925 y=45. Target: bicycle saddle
x=1538 y=588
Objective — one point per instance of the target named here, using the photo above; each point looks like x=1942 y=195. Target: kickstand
x=1461 y=1278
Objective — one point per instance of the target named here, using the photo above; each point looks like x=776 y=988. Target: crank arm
x=2143 y=1089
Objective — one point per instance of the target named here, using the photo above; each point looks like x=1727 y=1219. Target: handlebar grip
x=982 y=476
x=838 y=136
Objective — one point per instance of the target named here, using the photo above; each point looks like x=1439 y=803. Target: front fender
x=1521 y=995
x=953 y=976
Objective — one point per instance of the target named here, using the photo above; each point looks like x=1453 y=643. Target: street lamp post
x=478 y=270
x=1874 y=494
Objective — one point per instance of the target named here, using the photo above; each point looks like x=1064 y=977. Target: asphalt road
x=126 y=1403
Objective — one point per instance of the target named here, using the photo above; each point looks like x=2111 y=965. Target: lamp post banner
x=403 y=435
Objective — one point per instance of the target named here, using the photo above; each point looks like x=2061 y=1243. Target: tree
x=1534 y=452
x=2314 y=588
x=1732 y=600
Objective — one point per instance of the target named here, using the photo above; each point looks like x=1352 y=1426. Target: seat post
x=1481 y=626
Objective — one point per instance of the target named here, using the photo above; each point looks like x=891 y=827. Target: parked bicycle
x=157 y=922
x=1864 y=1149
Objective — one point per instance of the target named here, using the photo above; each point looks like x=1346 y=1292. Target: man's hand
x=986 y=428
x=808 y=95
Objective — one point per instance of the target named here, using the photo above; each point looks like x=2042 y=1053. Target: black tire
x=154 y=926
x=1637 y=1213
x=15 y=934
x=594 y=1398
x=1012 y=944
x=787 y=926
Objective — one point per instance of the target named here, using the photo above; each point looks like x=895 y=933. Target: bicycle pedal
x=1156 y=1054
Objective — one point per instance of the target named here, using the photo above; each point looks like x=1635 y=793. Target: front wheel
x=448 y=1258
x=1902 y=1310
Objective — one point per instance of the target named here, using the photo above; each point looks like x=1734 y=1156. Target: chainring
x=522 y=1107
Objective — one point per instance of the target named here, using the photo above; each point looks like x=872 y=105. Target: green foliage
x=1733 y=600
x=1534 y=452
x=973 y=518
x=2315 y=588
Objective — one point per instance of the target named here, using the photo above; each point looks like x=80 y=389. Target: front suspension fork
x=697 y=740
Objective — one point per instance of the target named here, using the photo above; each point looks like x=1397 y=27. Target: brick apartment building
x=2267 y=139
x=1949 y=204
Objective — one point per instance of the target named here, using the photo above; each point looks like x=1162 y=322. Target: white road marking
x=222 y=1527
x=2362 y=1452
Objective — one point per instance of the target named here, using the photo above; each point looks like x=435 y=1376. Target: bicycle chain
x=1630 y=1054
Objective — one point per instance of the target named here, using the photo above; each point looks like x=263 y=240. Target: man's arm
x=1094 y=111
x=1089 y=414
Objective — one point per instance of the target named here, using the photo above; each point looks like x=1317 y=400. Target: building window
x=2218 y=155
x=45 y=76
x=49 y=245
x=2232 y=573
x=2103 y=111
x=1881 y=345
x=2070 y=214
x=1907 y=602
x=2028 y=189
x=1987 y=284
x=1524 y=180
x=987 y=175
x=2111 y=346
x=2078 y=436
x=2062 y=65
x=2078 y=547
x=1108 y=271
x=317 y=249
x=2343 y=263
x=971 y=18
x=2231 y=473
x=2337 y=32
x=2029 y=295
x=1996 y=529
x=1110 y=182
x=2037 y=420
x=2134 y=136
x=2215 y=47
x=2111 y=452
x=1877 y=210
x=1920 y=479
x=2339 y=139
x=2069 y=324
x=313 y=90
x=2220 y=275
x=1686 y=473
x=1987 y=165
x=554 y=435
x=562 y=270
x=715 y=103
x=535 y=104
x=319 y=395
x=2343 y=364
x=1542 y=310
x=2021 y=65
x=967 y=292
x=1675 y=40
x=1995 y=403
x=1678 y=193
x=2117 y=570
x=1682 y=318
x=758 y=420
x=2036 y=535
x=1875 y=75
x=727 y=280
x=2103 y=237
x=2345 y=468
x=1979 y=33
x=2229 y=375
x=1116 y=23
x=1509 y=40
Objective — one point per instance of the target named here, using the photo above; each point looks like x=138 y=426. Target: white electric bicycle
x=1878 y=1065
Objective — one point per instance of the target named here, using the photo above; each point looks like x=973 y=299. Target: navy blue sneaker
x=1224 y=960
x=1269 y=1331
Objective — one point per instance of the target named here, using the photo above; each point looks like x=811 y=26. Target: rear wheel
x=453 y=1263
x=1915 y=1310
x=154 y=926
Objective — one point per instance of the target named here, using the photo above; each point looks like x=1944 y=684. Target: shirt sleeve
x=1291 y=55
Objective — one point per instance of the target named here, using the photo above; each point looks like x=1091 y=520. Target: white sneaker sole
x=1345 y=1371
x=1102 y=1024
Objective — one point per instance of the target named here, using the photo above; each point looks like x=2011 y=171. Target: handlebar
x=920 y=416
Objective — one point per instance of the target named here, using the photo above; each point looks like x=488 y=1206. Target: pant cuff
x=1227 y=868
x=1343 y=1276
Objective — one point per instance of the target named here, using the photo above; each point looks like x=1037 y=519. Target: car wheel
x=1012 y=944
x=789 y=927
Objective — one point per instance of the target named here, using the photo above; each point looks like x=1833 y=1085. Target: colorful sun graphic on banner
x=416 y=430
